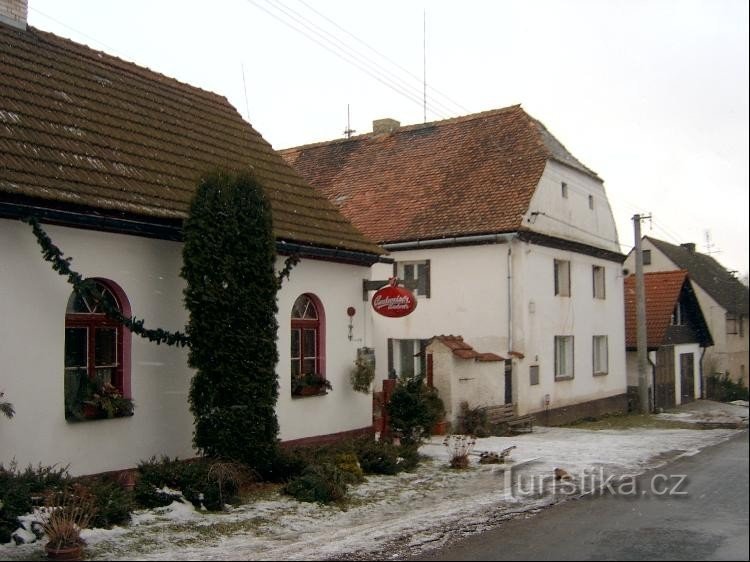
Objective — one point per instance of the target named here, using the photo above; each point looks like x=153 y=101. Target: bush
x=348 y=464
x=722 y=388
x=191 y=478
x=112 y=503
x=459 y=448
x=472 y=421
x=414 y=408
x=381 y=457
x=285 y=465
x=19 y=491
x=323 y=483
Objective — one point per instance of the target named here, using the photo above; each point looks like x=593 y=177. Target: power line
x=357 y=60
x=384 y=57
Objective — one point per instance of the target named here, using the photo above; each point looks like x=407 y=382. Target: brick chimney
x=14 y=12
x=689 y=246
x=382 y=126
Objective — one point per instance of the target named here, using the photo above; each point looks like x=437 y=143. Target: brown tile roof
x=463 y=350
x=81 y=127
x=662 y=290
x=469 y=175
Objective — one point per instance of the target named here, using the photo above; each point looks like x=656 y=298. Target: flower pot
x=74 y=552
x=91 y=412
x=310 y=390
x=439 y=428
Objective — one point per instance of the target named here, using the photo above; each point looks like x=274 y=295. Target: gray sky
x=651 y=94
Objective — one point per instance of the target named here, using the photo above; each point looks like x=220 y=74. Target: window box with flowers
x=310 y=384
x=92 y=401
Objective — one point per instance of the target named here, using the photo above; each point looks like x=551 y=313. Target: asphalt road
x=706 y=518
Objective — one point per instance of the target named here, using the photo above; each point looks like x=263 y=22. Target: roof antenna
x=244 y=85
x=424 y=62
x=348 y=131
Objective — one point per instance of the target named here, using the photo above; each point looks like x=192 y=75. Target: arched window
x=307 y=343
x=96 y=378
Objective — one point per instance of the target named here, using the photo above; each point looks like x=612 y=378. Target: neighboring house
x=676 y=334
x=512 y=244
x=723 y=299
x=107 y=155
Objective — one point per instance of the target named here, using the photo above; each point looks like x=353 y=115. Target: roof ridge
x=409 y=128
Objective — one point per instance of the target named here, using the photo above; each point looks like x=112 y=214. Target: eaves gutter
x=450 y=241
x=166 y=229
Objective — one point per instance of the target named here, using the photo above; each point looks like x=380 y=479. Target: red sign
x=393 y=301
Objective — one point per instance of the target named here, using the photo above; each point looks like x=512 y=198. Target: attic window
x=564 y=187
x=646 y=257
x=679 y=317
x=591 y=201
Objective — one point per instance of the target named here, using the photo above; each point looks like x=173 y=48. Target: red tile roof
x=469 y=175
x=463 y=350
x=81 y=127
x=662 y=295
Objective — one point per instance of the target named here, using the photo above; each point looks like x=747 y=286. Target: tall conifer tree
x=228 y=263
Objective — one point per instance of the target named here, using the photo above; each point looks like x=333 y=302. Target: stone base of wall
x=329 y=438
x=593 y=409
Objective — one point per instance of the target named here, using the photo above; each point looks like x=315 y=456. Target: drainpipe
x=703 y=381
x=510 y=298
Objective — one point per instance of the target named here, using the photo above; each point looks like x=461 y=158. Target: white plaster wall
x=540 y=315
x=469 y=298
x=32 y=331
x=571 y=218
x=338 y=286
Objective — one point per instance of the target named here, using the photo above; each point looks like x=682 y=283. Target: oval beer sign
x=393 y=301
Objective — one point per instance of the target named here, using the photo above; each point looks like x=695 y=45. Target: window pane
x=422 y=279
x=406 y=353
x=408 y=272
x=308 y=366
x=76 y=350
x=295 y=344
x=76 y=305
x=309 y=344
x=105 y=347
x=304 y=309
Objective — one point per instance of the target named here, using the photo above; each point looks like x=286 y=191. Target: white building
x=513 y=246
x=107 y=155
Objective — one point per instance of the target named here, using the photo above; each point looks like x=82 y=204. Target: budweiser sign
x=393 y=301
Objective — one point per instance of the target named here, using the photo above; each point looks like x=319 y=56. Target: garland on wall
x=86 y=288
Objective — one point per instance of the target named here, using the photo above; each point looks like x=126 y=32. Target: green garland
x=86 y=288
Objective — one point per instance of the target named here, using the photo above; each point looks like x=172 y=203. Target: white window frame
x=562 y=278
x=564 y=357
x=600 y=282
x=600 y=355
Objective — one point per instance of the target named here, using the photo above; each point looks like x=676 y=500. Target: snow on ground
x=392 y=514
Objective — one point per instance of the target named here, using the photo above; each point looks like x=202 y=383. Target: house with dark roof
x=107 y=155
x=677 y=337
x=510 y=241
x=724 y=300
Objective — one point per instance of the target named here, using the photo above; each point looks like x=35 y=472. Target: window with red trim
x=94 y=374
x=306 y=351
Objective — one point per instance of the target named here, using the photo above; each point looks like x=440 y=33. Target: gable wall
x=571 y=218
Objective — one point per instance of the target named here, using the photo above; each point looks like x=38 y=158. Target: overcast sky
x=651 y=94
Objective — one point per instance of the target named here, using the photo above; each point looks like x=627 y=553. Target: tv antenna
x=710 y=245
x=348 y=131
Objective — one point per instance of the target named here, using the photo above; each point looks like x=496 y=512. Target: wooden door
x=664 y=378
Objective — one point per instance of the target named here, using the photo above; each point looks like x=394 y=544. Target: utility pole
x=640 y=318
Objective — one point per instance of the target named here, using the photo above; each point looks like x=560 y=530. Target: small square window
x=646 y=257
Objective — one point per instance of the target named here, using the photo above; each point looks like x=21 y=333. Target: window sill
x=93 y=418
x=568 y=378
x=604 y=374
x=298 y=396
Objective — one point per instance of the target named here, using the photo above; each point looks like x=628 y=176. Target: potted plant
x=310 y=384
x=107 y=402
x=64 y=517
x=362 y=375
